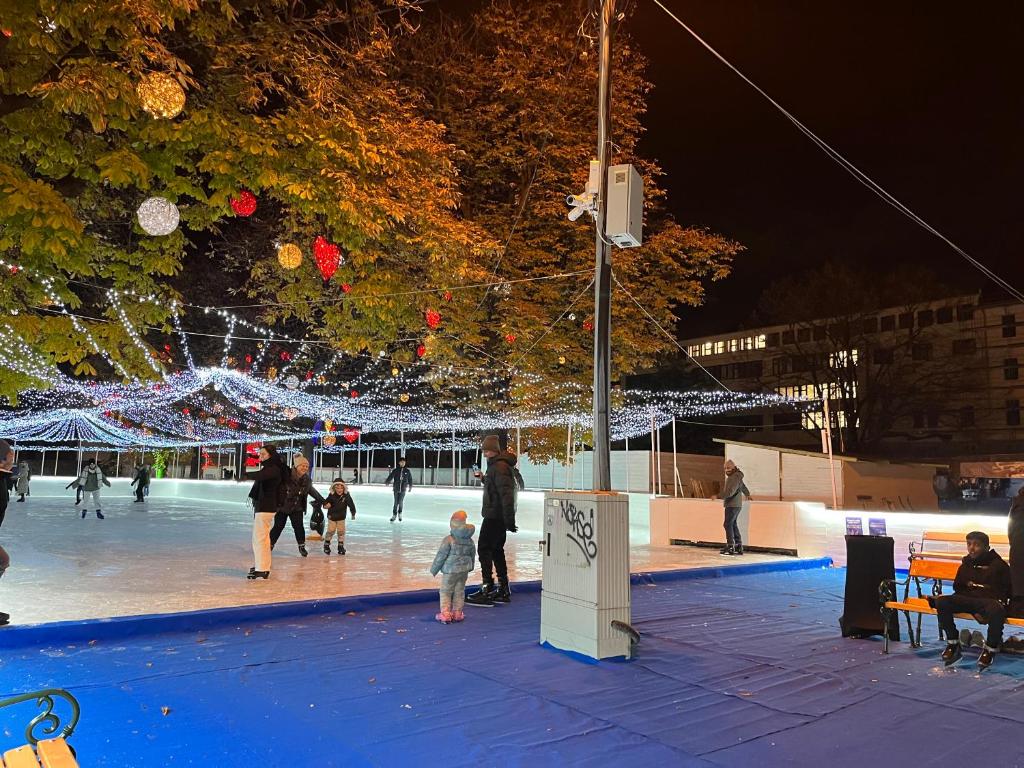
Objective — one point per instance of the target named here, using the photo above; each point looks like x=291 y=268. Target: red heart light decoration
x=351 y=434
x=433 y=318
x=327 y=256
x=244 y=204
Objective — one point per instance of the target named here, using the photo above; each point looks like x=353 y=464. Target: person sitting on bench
x=981 y=588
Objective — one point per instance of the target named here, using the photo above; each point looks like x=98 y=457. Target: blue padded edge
x=117 y=627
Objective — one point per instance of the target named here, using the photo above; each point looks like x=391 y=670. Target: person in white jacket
x=89 y=481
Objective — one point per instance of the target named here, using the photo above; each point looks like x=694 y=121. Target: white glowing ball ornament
x=158 y=216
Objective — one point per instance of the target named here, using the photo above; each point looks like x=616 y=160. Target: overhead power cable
x=849 y=167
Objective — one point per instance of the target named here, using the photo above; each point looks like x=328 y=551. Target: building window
x=1010 y=369
x=888 y=323
x=719 y=347
x=803 y=334
x=921 y=351
x=882 y=356
x=964 y=346
x=788 y=337
x=706 y=348
x=967 y=416
x=944 y=315
x=906 y=320
x=925 y=318
x=965 y=312
x=1009 y=326
x=760 y=342
x=870 y=325
x=771 y=340
x=1013 y=413
x=780 y=366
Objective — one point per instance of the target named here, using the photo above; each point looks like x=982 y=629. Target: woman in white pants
x=264 y=495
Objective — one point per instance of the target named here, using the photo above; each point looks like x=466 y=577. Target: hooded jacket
x=735 y=490
x=91 y=478
x=457 y=552
x=299 y=489
x=500 y=490
x=340 y=505
x=987 y=575
x=24 y=476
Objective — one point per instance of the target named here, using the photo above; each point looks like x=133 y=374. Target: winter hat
x=458 y=519
x=490 y=443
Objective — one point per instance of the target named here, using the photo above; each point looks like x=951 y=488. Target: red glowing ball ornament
x=421 y=351
x=353 y=394
x=244 y=204
x=510 y=338
x=433 y=318
x=327 y=256
x=447 y=295
x=588 y=325
x=248 y=358
x=345 y=287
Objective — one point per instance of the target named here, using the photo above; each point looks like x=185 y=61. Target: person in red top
x=981 y=588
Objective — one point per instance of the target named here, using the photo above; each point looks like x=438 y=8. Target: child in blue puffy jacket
x=454 y=559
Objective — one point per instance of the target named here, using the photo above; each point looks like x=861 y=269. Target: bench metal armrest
x=49 y=721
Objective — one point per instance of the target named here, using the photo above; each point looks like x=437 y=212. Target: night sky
x=923 y=97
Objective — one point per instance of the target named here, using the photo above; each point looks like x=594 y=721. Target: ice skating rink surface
x=188 y=548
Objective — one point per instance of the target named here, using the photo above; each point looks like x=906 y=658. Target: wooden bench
x=48 y=753
x=936 y=561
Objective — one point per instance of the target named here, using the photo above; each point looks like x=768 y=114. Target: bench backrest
x=961 y=538
x=943 y=570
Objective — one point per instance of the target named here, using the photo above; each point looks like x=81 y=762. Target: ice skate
x=84 y=512
x=254 y=574
x=483 y=595
x=327 y=548
x=99 y=515
x=341 y=549
x=952 y=654
x=502 y=594
x=303 y=551
x=445 y=617
x=458 y=616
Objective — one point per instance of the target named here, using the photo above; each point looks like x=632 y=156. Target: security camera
x=576 y=212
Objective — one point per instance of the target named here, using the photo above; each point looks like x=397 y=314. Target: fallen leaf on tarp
x=401 y=631
x=372 y=680
x=380 y=618
x=149 y=663
x=406 y=706
x=248 y=632
x=351 y=613
x=745 y=693
x=92 y=642
x=165 y=711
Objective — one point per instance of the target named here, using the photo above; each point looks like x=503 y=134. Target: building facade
x=939 y=379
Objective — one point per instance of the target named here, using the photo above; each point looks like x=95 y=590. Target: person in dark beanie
x=499 y=514
x=401 y=483
x=981 y=588
x=733 y=493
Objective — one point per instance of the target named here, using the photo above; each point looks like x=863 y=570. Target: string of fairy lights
x=222 y=405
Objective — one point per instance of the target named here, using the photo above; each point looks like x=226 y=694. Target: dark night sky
x=923 y=97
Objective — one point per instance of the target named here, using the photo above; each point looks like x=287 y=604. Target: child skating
x=454 y=559
x=89 y=481
x=337 y=504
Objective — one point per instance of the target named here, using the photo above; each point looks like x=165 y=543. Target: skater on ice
x=24 y=478
x=300 y=487
x=454 y=559
x=338 y=504
x=401 y=483
x=89 y=481
x=268 y=492
x=141 y=481
x=499 y=514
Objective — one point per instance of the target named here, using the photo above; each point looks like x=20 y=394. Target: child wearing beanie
x=454 y=559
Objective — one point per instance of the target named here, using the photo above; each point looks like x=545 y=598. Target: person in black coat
x=1015 y=531
x=266 y=498
x=141 y=481
x=499 y=514
x=401 y=483
x=338 y=503
x=300 y=488
x=981 y=588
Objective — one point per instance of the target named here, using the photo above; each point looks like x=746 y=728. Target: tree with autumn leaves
x=437 y=158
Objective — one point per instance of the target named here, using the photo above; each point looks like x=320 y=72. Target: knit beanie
x=490 y=443
x=458 y=519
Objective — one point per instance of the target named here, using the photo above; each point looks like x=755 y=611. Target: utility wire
x=553 y=323
x=849 y=167
x=668 y=335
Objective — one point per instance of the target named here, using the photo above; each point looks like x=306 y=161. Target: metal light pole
x=602 y=477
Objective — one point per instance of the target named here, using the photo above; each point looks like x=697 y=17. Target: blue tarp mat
x=733 y=670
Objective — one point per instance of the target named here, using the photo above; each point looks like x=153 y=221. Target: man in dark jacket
x=294 y=507
x=733 y=493
x=6 y=462
x=499 y=513
x=401 y=483
x=1015 y=531
x=981 y=587
x=141 y=481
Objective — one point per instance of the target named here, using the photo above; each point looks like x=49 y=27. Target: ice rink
x=188 y=548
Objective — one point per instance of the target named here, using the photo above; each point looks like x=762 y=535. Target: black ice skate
x=483 y=595
x=502 y=594
x=302 y=550
x=99 y=515
x=253 y=575
x=341 y=549
x=327 y=549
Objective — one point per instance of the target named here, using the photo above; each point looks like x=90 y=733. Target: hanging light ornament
x=404 y=397
x=292 y=382
x=328 y=257
x=345 y=287
x=510 y=338
x=158 y=216
x=561 y=359
x=447 y=295
x=272 y=372
x=329 y=440
x=421 y=350
x=394 y=371
x=161 y=95
x=289 y=255
x=244 y=204
x=433 y=318
x=351 y=434
x=588 y=325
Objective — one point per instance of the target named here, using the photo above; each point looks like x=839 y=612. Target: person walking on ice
x=141 y=481
x=454 y=559
x=89 y=481
x=24 y=477
x=401 y=483
x=338 y=504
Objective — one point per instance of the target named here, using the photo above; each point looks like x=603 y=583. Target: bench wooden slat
x=920 y=605
x=944 y=570
x=22 y=757
x=957 y=536
x=958 y=556
x=55 y=753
